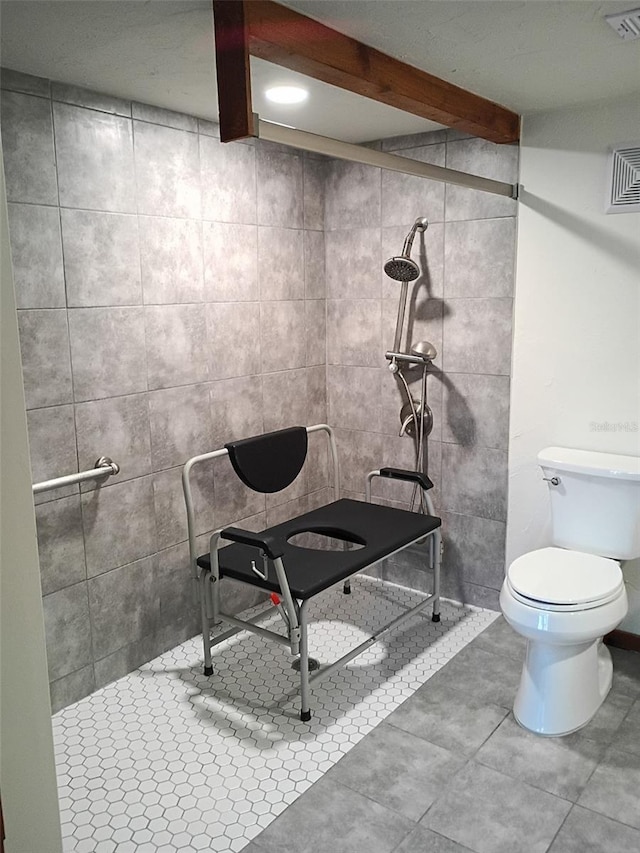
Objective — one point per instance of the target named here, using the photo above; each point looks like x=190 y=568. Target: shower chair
x=366 y=532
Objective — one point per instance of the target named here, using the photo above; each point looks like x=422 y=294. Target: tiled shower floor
x=167 y=761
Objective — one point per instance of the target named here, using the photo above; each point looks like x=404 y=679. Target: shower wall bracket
x=280 y=35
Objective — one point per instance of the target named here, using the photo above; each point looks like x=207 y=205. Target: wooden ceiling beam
x=280 y=35
x=232 y=69
x=287 y=38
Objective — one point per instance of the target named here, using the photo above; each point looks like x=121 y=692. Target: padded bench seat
x=381 y=530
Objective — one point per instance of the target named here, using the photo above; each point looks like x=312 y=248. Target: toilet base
x=562 y=687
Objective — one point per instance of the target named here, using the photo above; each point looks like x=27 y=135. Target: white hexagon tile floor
x=166 y=760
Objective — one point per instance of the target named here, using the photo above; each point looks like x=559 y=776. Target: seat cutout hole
x=313 y=540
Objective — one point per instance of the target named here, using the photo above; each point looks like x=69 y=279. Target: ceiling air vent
x=626 y=24
x=623 y=185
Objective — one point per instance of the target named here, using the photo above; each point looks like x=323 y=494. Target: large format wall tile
x=476 y=410
x=107 y=351
x=171 y=260
x=124 y=606
x=38 y=275
x=280 y=188
x=68 y=630
x=176 y=338
x=119 y=524
x=352 y=195
x=28 y=152
x=480 y=257
x=283 y=335
x=167 y=179
x=353 y=395
x=228 y=174
x=72 y=688
x=353 y=332
x=236 y=409
x=406 y=197
x=314 y=192
x=230 y=262
x=180 y=425
x=316 y=331
x=477 y=336
x=353 y=263
x=314 y=265
x=46 y=367
x=94 y=153
x=168 y=498
x=233 y=331
x=60 y=544
x=93 y=100
x=488 y=160
x=167 y=118
x=475 y=481
x=52 y=447
x=16 y=81
x=101 y=258
x=474 y=551
x=117 y=427
x=281 y=263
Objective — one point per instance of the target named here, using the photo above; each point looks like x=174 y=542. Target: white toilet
x=564 y=599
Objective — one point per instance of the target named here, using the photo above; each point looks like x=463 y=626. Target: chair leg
x=206 y=641
x=346 y=589
x=305 y=713
x=436 y=543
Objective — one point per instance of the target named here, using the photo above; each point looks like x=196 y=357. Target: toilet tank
x=596 y=505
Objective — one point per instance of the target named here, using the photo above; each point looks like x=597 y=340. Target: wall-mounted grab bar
x=105 y=467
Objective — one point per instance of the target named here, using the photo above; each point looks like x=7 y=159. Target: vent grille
x=623 y=194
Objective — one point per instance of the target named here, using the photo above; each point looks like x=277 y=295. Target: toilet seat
x=558 y=579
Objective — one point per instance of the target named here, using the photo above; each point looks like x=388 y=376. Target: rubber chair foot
x=435 y=617
x=305 y=716
x=208 y=670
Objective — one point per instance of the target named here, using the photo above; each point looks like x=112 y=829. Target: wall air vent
x=626 y=24
x=623 y=184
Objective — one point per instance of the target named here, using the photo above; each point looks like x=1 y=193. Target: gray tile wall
x=172 y=293
x=171 y=297
x=463 y=305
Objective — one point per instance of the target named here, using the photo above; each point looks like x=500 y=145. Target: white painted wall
x=576 y=354
x=27 y=770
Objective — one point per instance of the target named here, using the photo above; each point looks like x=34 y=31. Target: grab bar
x=105 y=467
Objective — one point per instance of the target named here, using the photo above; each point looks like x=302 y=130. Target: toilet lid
x=556 y=576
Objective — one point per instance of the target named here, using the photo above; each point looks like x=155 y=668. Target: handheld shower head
x=402 y=268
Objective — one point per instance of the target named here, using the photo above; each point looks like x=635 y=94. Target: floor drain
x=313 y=664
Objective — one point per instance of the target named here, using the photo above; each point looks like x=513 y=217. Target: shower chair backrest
x=271 y=462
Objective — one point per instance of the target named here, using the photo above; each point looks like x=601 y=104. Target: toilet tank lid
x=612 y=465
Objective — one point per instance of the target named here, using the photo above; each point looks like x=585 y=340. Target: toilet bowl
x=564 y=599
x=567 y=669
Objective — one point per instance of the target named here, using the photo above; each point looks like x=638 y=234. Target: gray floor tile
x=330 y=817
x=627 y=737
x=493 y=813
x=448 y=717
x=614 y=788
x=397 y=770
x=626 y=671
x=587 y=832
x=561 y=766
x=501 y=639
x=425 y=841
x=485 y=676
x=608 y=721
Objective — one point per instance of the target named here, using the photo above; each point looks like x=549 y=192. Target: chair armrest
x=270 y=545
x=410 y=476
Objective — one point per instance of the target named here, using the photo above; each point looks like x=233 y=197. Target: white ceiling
x=529 y=56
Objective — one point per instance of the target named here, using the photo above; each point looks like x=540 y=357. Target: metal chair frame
x=208 y=582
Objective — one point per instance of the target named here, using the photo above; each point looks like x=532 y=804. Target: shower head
x=402 y=268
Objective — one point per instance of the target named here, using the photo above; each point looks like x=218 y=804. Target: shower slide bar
x=105 y=467
x=369 y=157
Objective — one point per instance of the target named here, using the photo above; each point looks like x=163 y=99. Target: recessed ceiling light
x=287 y=94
